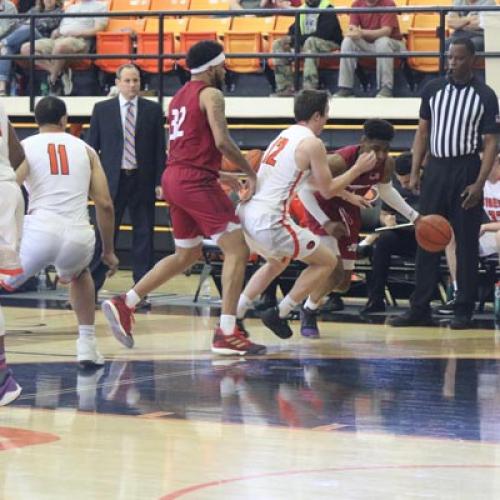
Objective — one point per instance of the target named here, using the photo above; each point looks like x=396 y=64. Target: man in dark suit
x=128 y=133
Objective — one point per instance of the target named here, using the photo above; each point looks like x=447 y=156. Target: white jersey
x=59 y=175
x=491 y=197
x=6 y=171
x=279 y=178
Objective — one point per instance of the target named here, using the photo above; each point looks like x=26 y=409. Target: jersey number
x=178 y=117
x=58 y=159
x=274 y=151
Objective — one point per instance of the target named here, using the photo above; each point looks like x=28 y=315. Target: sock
x=132 y=299
x=285 y=306
x=227 y=323
x=244 y=305
x=455 y=286
x=312 y=306
x=86 y=331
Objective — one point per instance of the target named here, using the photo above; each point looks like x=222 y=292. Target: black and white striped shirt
x=459 y=115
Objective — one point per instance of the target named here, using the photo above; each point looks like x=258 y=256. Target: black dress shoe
x=373 y=307
x=461 y=322
x=411 y=318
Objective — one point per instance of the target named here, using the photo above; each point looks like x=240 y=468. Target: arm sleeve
x=160 y=147
x=306 y=196
x=490 y=122
x=93 y=135
x=390 y=195
x=425 y=108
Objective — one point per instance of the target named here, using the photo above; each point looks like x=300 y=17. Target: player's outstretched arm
x=212 y=102
x=105 y=213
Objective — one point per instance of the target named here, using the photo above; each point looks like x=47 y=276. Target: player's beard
x=218 y=82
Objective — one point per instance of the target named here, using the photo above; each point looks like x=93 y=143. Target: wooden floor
x=366 y=412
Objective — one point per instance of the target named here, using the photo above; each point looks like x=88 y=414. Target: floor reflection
x=447 y=398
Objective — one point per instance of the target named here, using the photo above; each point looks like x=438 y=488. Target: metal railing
x=296 y=55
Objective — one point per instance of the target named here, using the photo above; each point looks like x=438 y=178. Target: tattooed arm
x=212 y=102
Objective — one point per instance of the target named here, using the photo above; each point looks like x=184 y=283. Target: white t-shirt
x=70 y=24
x=58 y=181
x=279 y=178
x=6 y=171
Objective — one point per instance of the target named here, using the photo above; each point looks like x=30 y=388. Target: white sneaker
x=87 y=354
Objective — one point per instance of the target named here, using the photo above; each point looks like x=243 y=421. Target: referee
x=458 y=117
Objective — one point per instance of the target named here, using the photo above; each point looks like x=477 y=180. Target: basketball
x=433 y=233
x=253 y=157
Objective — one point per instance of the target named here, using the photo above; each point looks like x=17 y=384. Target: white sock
x=285 y=306
x=244 y=305
x=86 y=331
x=455 y=286
x=132 y=299
x=227 y=323
x=312 y=306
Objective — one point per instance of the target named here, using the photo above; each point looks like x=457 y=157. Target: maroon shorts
x=198 y=205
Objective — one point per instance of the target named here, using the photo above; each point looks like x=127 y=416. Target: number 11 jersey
x=191 y=142
x=59 y=175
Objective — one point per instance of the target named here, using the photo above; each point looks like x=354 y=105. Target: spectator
x=388 y=243
x=128 y=132
x=467 y=23
x=75 y=35
x=317 y=33
x=11 y=44
x=263 y=4
x=7 y=25
x=371 y=32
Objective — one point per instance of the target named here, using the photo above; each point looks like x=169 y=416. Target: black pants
x=396 y=242
x=444 y=181
x=142 y=216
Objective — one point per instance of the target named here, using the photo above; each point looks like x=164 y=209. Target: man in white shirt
x=75 y=35
x=60 y=173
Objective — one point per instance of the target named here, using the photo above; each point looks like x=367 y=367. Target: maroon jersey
x=338 y=209
x=191 y=142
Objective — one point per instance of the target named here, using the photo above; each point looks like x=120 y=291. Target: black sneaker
x=373 y=307
x=271 y=318
x=445 y=309
x=308 y=323
x=241 y=327
x=411 y=318
x=334 y=303
x=461 y=322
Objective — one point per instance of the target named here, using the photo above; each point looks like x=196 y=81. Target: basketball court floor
x=365 y=412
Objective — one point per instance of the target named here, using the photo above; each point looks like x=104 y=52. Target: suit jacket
x=105 y=135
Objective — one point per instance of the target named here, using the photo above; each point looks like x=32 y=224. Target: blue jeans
x=12 y=45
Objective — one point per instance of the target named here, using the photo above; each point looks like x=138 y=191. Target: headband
x=213 y=62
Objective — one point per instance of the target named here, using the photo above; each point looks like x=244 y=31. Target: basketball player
x=11 y=219
x=198 y=206
x=60 y=173
x=294 y=157
x=377 y=137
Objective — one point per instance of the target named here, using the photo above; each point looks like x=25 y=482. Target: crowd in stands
x=317 y=33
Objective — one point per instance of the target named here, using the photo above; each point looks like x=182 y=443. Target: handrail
x=296 y=55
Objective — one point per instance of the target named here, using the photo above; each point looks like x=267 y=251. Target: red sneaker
x=228 y=345
x=120 y=318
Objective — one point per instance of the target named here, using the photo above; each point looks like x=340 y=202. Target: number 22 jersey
x=191 y=142
x=59 y=175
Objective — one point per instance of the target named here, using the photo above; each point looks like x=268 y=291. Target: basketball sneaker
x=9 y=390
x=308 y=323
x=241 y=327
x=236 y=343
x=447 y=309
x=120 y=318
x=271 y=318
x=87 y=354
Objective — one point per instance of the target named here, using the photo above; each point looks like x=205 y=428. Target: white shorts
x=52 y=240
x=488 y=244
x=332 y=243
x=273 y=236
x=11 y=225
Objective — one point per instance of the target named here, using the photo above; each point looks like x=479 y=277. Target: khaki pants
x=283 y=67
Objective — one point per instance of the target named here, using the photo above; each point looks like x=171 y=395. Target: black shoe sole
x=282 y=330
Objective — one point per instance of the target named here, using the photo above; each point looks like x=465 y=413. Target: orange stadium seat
x=247 y=34
x=157 y=5
x=209 y=5
x=148 y=43
x=131 y=6
x=116 y=39
x=428 y=3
